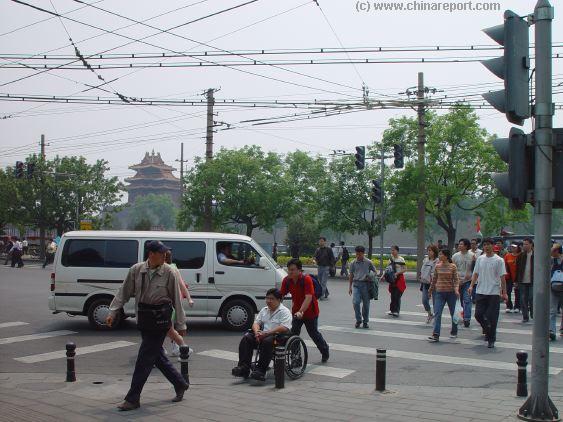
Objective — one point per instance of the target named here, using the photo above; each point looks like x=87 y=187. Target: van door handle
x=197 y=277
x=219 y=272
x=211 y=280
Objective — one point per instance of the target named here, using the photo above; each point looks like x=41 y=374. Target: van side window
x=186 y=254
x=100 y=253
x=238 y=251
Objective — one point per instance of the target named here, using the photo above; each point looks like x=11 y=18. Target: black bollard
x=380 y=368
x=70 y=353
x=184 y=356
x=279 y=366
x=522 y=362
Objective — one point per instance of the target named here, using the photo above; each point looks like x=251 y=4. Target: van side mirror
x=263 y=263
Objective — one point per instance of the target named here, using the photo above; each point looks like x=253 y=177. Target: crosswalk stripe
x=327 y=371
x=60 y=354
x=453 y=360
x=409 y=336
x=39 y=336
x=12 y=324
x=446 y=315
x=422 y=324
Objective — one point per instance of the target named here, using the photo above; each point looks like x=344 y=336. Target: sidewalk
x=46 y=397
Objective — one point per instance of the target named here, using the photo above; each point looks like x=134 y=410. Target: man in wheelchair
x=273 y=319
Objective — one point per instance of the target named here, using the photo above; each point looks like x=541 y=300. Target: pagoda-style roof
x=152 y=160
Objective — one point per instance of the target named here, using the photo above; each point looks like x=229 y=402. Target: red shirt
x=299 y=289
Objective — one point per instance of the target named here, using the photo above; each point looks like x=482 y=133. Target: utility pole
x=43 y=147
x=421 y=165
x=42 y=176
x=208 y=220
x=539 y=406
x=181 y=170
x=382 y=216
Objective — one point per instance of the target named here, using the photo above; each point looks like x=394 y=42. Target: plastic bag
x=458 y=313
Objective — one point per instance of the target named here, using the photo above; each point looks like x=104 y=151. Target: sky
x=121 y=133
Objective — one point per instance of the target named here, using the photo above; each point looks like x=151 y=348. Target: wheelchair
x=295 y=355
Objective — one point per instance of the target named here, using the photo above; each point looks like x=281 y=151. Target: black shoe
x=258 y=375
x=466 y=324
x=357 y=324
x=180 y=393
x=325 y=356
x=126 y=406
x=526 y=320
x=365 y=325
x=552 y=336
x=240 y=371
x=434 y=338
x=491 y=344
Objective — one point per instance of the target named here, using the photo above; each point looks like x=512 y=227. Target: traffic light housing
x=513 y=68
x=18 y=170
x=360 y=157
x=515 y=183
x=377 y=192
x=30 y=170
x=399 y=157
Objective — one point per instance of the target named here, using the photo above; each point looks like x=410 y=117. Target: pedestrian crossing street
x=357 y=342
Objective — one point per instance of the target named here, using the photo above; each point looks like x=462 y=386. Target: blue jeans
x=426 y=299
x=440 y=300
x=465 y=300
x=555 y=300
x=360 y=295
x=322 y=275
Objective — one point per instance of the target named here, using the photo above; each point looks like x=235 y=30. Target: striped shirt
x=445 y=277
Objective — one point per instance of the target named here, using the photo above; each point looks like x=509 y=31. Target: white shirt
x=463 y=262
x=25 y=244
x=527 y=279
x=489 y=271
x=477 y=252
x=270 y=320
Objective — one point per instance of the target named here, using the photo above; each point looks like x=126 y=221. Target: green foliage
x=144 y=224
x=158 y=210
x=302 y=235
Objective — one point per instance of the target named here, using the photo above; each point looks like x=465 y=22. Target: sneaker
x=240 y=371
x=429 y=318
x=390 y=313
x=552 y=336
x=508 y=311
x=526 y=320
x=466 y=323
x=395 y=314
x=365 y=325
x=433 y=339
x=358 y=324
x=258 y=375
x=491 y=344
x=453 y=336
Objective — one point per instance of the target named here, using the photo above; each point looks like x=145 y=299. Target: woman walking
x=398 y=286
x=445 y=289
x=426 y=274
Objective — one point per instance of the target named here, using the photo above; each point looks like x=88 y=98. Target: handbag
x=557 y=281
x=153 y=317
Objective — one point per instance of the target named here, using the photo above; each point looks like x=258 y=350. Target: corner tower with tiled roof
x=153 y=176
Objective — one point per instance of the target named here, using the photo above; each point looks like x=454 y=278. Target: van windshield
x=264 y=253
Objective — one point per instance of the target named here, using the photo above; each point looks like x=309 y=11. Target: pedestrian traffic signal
x=515 y=183
x=360 y=157
x=30 y=170
x=513 y=67
x=398 y=154
x=18 y=170
x=377 y=192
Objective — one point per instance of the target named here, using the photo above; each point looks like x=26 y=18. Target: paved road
x=32 y=340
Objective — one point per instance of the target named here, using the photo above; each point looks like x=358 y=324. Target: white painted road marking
x=423 y=324
x=79 y=351
x=410 y=336
x=39 y=336
x=327 y=371
x=446 y=315
x=453 y=360
x=12 y=324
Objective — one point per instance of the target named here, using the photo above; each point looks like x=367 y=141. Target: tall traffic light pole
x=539 y=406
x=421 y=186
x=208 y=220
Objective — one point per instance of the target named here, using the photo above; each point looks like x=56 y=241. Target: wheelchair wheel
x=295 y=357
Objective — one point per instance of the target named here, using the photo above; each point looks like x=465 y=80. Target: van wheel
x=237 y=315
x=98 y=312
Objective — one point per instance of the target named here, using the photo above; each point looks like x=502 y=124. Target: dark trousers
x=526 y=300
x=247 y=346
x=517 y=297
x=487 y=308
x=17 y=259
x=8 y=256
x=48 y=259
x=395 y=305
x=152 y=354
x=509 y=287
x=312 y=326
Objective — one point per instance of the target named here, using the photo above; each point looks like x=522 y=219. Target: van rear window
x=100 y=253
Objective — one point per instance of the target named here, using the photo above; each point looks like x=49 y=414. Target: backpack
x=557 y=277
x=316 y=285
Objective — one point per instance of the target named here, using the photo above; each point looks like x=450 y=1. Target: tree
x=158 y=210
x=459 y=160
x=8 y=195
x=302 y=235
x=144 y=224
x=345 y=200
x=246 y=186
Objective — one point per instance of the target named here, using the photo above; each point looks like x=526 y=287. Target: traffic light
x=520 y=176
x=18 y=170
x=377 y=192
x=360 y=158
x=398 y=154
x=30 y=170
x=513 y=67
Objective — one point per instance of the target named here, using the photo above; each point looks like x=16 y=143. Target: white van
x=90 y=266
